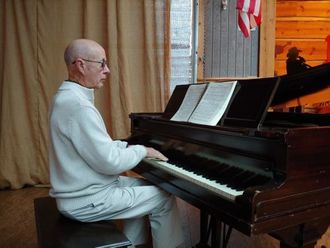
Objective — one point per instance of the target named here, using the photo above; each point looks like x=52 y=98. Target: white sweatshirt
x=84 y=161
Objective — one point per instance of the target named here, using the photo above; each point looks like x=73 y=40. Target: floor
x=17 y=226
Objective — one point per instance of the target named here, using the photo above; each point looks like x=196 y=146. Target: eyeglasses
x=103 y=62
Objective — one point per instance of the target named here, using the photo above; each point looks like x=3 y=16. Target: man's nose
x=106 y=69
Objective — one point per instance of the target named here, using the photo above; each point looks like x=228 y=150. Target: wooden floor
x=17 y=226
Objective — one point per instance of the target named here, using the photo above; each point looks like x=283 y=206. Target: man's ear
x=80 y=65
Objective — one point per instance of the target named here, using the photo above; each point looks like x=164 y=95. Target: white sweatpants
x=131 y=200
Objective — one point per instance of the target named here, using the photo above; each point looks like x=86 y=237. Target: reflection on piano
x=256 y=171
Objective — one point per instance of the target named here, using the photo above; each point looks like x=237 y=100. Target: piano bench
x=55 y=230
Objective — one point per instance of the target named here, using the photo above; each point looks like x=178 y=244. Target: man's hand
x=154 y=154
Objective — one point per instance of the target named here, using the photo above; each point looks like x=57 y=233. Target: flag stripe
x=249 y=15
x=244 y=23
x=251 y=6
x=257 y=8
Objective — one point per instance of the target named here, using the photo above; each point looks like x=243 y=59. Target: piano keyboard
x=212 y=185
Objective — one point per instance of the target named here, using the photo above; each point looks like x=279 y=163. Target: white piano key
x=220 y=189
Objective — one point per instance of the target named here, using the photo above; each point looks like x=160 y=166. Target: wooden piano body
x=266 y=172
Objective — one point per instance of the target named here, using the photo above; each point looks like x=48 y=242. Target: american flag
x=249 y=15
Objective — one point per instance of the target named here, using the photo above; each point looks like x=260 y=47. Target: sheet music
x=189 y=103
x=213 y=103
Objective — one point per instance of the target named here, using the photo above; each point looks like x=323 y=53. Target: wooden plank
x=224 y=29
x=302 y=29
x=216 y=30
x=302 y=19
x=254 y=53
x=303 y=8
x=280 y=65
x=311 y=49
x=232 y=25
x=267 y=39
x=247 y=56
x=239 y=53
x=208 y=37
x=200 y=65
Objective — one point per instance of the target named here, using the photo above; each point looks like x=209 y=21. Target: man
x=85 y=162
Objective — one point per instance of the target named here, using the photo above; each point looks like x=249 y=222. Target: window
x=181 y=43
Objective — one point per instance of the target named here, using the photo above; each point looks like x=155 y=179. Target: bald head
x=81 y=48
x=86 y=63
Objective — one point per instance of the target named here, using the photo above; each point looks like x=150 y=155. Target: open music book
x=206 y=103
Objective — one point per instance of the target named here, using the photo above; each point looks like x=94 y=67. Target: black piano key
x=212 y=171
x=224 y=176
x=245 y=183
x=235 y=181
x=211 y=168
x=253 y=181
x=259 y=180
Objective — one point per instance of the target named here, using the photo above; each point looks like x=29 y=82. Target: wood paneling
x=302 y=29
x=313 y=49
x=200 y=65
x=302 y=8
x=301 y=24
x=280 y=66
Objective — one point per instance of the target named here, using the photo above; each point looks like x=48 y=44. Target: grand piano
x=256 y=171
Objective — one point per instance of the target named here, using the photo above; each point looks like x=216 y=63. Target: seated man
x=85 y=163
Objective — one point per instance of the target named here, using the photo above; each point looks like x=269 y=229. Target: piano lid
x=304 y=83
x=250 y=104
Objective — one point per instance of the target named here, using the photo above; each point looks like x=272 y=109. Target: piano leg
x=215 y=232
x=211 y=228
x=204 y=230
x=303 y=236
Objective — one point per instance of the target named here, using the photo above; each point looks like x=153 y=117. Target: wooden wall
x=304 y=24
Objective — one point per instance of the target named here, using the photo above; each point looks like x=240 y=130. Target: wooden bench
x=55 y=230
